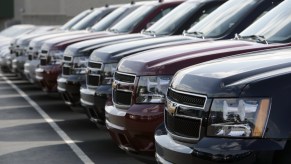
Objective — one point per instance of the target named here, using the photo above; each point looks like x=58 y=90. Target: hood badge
x=172 y=107
x=114 y=84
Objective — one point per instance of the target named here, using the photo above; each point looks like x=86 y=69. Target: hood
x=36 y=42
x=26 y=39
x=53 y=42
x=167 y=61
x=114 y=53
x=227 y=77
x=92 y=35
x=90 y=45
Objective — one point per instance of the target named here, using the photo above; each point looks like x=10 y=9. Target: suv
x=111 y=55
x=22 y=42
x=74 y=64
x=35 y=44
x=229 y=110
x=50 y=64
x=141 y=80
x=182 y=17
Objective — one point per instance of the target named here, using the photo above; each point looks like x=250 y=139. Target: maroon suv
x=74 y=65
x=141 y=80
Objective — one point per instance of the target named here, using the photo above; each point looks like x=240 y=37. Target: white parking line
x=51 y=122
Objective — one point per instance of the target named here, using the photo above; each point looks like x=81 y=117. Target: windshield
x=16 y=30
x=130 y=21
x=109 y=19
x=74 y=20
x=88 y=21
x=223 y=18
x=177 y=17
x=171 y=22
x=274 y=26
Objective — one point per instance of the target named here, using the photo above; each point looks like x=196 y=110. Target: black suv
x=229 y=110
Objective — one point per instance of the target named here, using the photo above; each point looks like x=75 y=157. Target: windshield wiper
x=257 y=38
x=148 y=32
x=114 y=30
x=197 y=34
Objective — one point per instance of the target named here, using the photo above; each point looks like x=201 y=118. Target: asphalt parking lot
x=39 y=128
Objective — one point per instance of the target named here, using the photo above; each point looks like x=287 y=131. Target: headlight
x=238 y=117
x=80 y=64
x=107 y=73
x=152 y=89
x=55 y=56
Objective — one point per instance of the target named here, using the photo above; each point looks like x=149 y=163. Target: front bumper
x=133 y=129
x=18 y=64
x=211 y=150
x=87 y=101
x=69 y=88
x=39 y=74
x=87 y=97
x=47 y=76
x=29 y=70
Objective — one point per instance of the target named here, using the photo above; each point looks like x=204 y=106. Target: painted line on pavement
x=77 y=150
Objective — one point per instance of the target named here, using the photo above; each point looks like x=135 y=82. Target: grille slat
x=43 y=62
x=44 y=51
x=124 y=78
x=94 y=65
x=93 y=80
x=67 y=58
x=66 y=71
x=184 y=127
x=191 y=100
x=122 y=98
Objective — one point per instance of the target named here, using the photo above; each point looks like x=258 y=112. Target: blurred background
x=45 y=12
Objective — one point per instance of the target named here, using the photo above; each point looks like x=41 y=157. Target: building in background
x=46 y=12
x=6 y=11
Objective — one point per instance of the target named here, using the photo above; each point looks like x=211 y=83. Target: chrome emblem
x=114 y=84
x=88 y=71
x=172 y=107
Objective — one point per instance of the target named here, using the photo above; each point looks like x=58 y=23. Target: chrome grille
x=121 y=97
x=94 y=65
x=43 y=61
x=44 y=51
x=66 y=70
x=184 y=114
x=186 y=99
x=93 y=80
x=67 y=58
x=122 y=92
x=126 y=78
x=183 y=127
x=29 y=57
